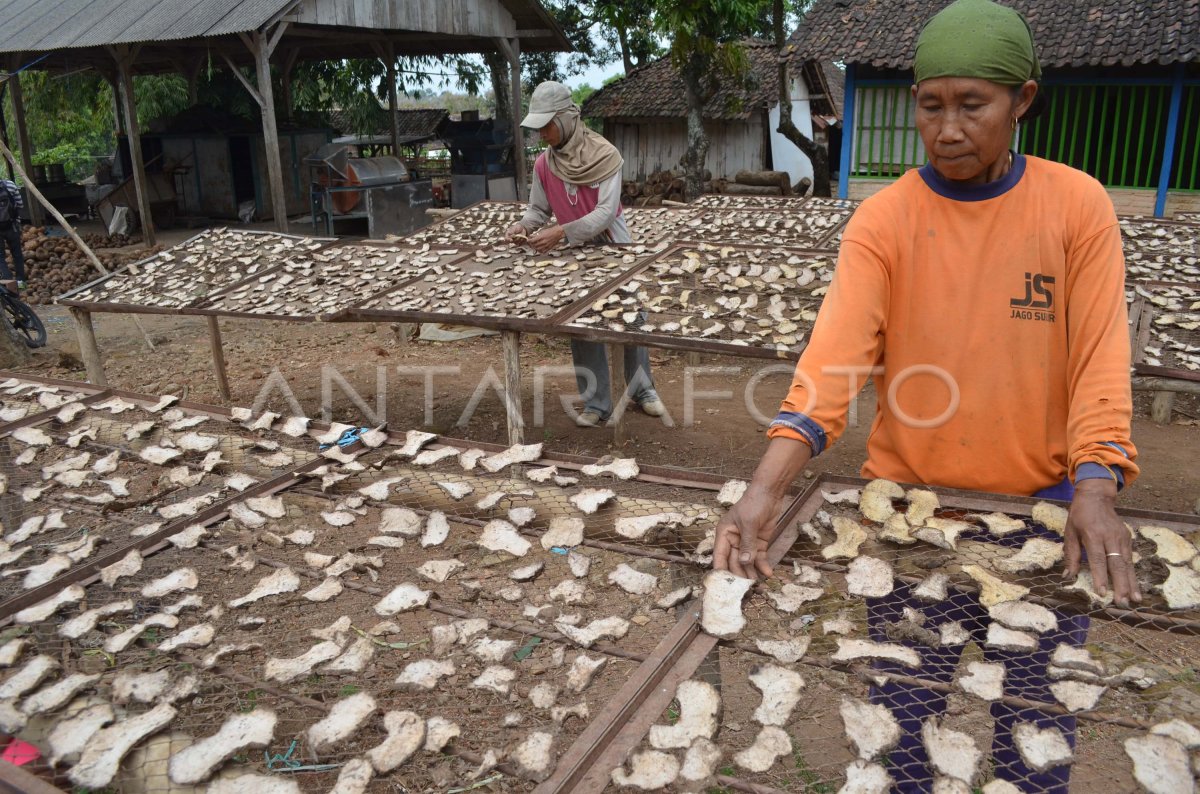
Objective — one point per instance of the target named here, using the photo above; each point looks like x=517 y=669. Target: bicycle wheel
x=23 y=319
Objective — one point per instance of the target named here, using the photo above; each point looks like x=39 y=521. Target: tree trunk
x=697 y=138
x=500 y=70
x=818 y=155
x=626 y=54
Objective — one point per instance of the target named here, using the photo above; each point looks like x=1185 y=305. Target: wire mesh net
x=189 y=272
x=480 y=224
x=1168 y=327
x=365 y=617
x=747 y=297
x=507 y=281
x=799 y=228
x=934 y=645
x=728 y=202
x=329 y=281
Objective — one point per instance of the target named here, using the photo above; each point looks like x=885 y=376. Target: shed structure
x=1121 y=81
x=120 y=38
x=645 y=116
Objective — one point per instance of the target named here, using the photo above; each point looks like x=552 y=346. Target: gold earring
x=1014 y=123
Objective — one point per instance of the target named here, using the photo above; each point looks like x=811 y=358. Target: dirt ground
x=312 y=359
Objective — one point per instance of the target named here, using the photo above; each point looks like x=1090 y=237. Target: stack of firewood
x=669 y=186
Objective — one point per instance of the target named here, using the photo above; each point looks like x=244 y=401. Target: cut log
x=777 y=179
x=738 y=189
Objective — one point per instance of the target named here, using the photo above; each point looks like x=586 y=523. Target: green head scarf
x=977 y=38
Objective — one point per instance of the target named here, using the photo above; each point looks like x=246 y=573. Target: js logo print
x=1038 y=303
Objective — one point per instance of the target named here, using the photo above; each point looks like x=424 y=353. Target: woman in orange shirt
x=985 y=293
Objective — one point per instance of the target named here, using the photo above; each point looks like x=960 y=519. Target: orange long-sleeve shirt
x=997 y=314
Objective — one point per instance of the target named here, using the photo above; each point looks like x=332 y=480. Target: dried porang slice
x=342 y=721
x=196 y=763
x=850 y=650
x=872 y=728
x=621 y=468
x=1182 y=587
x=781 y=690
x=985 y=680
x=284 y=580
x=1160 y=764
x=1051 y=516
x=1042 y=749
x=864 y=778
x=1170 y=547
x=102 y=754
x=1000 y=524
x=699 y=716
x=993 y=589
x=922 y=504
x=649 y=770
x=850 y=535
x=721 y=610
x=942 y=532
x=952 y=753
x=869 y=577
x=771 y=743
x=876 y=500
x=632 y=581
x=1038 y=554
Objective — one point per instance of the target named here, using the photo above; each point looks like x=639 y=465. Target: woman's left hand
x=547 y=239
x=1093 y=525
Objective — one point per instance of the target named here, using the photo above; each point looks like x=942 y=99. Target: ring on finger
x=1114 y=554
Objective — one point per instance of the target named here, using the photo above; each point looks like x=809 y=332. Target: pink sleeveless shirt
x=567 y=202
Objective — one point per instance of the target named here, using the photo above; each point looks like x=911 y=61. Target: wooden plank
x=89 y=351
x=510 y=343
x=16 y=780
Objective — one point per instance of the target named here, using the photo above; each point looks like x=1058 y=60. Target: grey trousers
x=591 y=375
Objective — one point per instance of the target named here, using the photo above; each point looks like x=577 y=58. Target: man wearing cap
x=984 y=292
x=577 y=182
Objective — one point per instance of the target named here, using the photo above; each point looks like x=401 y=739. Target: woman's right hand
x=515 y=231
x=744 y=533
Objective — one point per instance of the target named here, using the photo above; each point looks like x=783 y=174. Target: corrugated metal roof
x=41 y=25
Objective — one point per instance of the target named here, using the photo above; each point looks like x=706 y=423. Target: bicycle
x=22 y=318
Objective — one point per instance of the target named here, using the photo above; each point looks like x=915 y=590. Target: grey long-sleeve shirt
x=590 y=226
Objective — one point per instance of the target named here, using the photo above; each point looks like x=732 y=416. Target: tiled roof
x=656 y=91
x=883 y=33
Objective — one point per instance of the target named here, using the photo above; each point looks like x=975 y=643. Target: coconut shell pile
x=54 y=265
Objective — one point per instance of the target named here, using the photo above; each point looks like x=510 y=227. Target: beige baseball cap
x=547 y=101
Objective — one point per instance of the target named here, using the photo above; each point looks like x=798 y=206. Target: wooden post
x=393 y=97
x=125 y=56
x=510 y=343
x=616 y=382
x=191 y=73
x=89 y=351
x=1162 y=407
x=261 y=45
x=512 y=51
x=218 y=354
x=289 y=64
x=18 y=106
